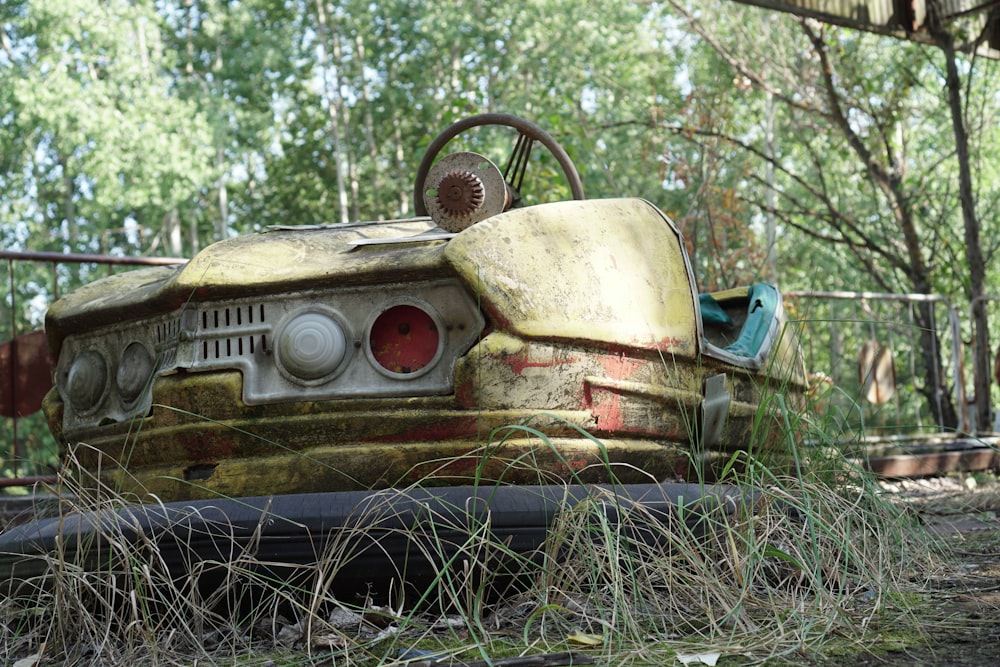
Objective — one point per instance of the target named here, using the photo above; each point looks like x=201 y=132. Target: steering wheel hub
x=460 y=193
x=463 y=188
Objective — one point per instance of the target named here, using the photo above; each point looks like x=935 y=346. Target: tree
x=93 y=142
x=860 y=164
x=974 y=255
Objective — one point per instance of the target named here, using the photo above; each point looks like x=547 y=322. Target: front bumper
x=175 y=452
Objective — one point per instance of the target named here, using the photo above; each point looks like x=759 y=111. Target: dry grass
x=780 y=572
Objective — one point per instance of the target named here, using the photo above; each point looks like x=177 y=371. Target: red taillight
x=404 y=339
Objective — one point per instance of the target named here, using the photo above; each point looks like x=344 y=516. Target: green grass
x=810 y=557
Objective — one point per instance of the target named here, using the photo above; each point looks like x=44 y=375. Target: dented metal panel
x=611 y=271
x=279 y=261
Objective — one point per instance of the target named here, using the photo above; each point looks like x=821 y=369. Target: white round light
x=87 y=380
x=311 y=346
x=134 y=371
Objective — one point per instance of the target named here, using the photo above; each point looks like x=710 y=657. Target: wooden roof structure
x=907 y=19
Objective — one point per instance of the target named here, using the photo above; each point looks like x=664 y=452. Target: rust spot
x=207 y=446
x=578 y=464
x=466 y=394
x=445 y=430
x=24 y=367
x=522 y=360
x=606 y=409
x=604 y=405
x=675 y=345
x=620 y=367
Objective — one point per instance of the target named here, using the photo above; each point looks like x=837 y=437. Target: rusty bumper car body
x=529 y=345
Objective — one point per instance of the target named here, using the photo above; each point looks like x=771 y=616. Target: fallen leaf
x=289 y=634
x=341 y=619
x=578 y=637
x=702 y=658
x=30 y=661
x=331 y=640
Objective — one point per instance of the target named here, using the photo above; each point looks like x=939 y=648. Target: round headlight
x=134 y=371
x=404 y=340
x=87 y=380
x=311 y=346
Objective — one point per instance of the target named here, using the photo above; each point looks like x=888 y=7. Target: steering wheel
x=517 y=163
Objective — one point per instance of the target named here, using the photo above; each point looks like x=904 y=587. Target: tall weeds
x=778 y=563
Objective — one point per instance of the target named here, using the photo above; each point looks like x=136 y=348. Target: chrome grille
x=238 y=335
x=235 y=330
x=166 y=335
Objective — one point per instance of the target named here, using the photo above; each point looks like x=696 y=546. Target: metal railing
x=17 y=327
x=916 y=336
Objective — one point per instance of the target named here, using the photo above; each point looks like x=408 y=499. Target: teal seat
x=712 y=312
x=760 y=313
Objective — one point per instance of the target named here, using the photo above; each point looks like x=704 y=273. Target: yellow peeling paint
x=611 y=271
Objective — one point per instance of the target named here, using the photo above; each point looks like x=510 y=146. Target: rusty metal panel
x=954 y=8
x=869 y=14
x=24 y=369
x=878 y=12
x=934 y=464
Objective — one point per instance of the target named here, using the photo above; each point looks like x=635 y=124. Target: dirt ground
x=959 y=609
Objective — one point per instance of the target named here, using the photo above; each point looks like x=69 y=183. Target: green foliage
x=158 y=128
x=161 y=128
x=94 y=139
x=37 y=450
x=196 y=119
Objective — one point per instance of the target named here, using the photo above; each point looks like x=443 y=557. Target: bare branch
x=740 y=66
x=6 y=45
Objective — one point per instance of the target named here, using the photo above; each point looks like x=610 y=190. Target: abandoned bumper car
x=487 y=359
x=561 y=341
